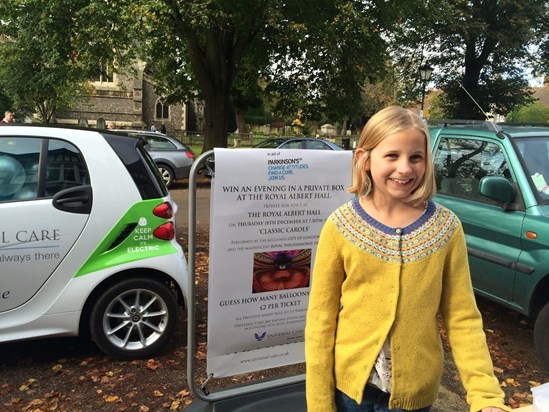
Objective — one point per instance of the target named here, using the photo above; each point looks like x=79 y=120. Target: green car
x=496 y=179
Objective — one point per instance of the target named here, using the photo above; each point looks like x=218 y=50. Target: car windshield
x=535 y=153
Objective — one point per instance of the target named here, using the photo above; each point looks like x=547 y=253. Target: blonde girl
x=388 y=264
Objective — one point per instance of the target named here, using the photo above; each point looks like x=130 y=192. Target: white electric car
x=87 y=241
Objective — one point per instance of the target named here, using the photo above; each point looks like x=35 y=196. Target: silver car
x=173 y=158
x=297 y=143
x=310 y=143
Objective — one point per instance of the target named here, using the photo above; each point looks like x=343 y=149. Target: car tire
x=134 y=318
x=541 y=336
x=167 y=174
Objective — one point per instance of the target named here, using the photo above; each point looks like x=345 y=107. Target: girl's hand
x=492 y=409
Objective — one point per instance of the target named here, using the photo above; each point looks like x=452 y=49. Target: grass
x=197 y=149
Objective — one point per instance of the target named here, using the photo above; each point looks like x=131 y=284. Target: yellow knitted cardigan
x=371 y=282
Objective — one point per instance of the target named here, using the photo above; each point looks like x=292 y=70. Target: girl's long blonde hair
x=391 y=120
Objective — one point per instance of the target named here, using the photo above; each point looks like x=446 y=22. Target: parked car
x=495 y=178
x=310 y=143
x=87 y=241
x=173 y=157
x=297 y=143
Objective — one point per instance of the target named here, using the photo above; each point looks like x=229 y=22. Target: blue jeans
x=373 y=400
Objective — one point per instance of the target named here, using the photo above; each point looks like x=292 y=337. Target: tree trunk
x=213 y=65
x=216 y=111
x=344 y=126
x=240 y=122
x=468 y=108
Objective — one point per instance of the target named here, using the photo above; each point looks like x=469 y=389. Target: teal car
x=496 y=179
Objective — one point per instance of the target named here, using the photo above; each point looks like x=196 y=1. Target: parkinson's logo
x=259 y=338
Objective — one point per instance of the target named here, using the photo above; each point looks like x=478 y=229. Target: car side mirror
x=498 y=189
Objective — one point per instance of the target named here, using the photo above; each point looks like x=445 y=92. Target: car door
x=45 y=201
x=493 y=234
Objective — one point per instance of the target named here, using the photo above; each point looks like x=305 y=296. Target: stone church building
x=130 y=101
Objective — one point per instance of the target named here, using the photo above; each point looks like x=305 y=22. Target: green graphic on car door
x=134 y=237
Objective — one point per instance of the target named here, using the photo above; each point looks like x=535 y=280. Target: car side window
x=21 y=177
x=65 y=167
x=158 y=143
x=292 y=144
x=316 y=145
x=19 y=157
x=535 y=153
x=461 y=163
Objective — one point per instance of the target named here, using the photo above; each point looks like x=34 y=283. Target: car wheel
x=541 y=336
x=167 y=174
x=134 y=318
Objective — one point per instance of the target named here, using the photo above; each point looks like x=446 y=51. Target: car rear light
x=190 y=155
x=163 y=210
x=165 y=231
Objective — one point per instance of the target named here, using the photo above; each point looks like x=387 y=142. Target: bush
x=535 y=113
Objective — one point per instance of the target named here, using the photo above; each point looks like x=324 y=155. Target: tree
x=542 y=51
x=311 y=56
x=482 y=48
x=194 y=49
x=534 y=113
x=6 y=103
x=50 y=49
x=435 y=110
x=409 y=45
x=34 y=72
x=343 y=53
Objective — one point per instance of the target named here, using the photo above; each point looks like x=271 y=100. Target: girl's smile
x=402 y=182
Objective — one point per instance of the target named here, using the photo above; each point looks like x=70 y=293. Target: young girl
x=388 y=263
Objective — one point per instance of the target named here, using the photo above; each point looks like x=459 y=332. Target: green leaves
x=486 y=46
x=52 y=48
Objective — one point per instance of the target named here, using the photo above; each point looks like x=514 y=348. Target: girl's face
x=397 y=164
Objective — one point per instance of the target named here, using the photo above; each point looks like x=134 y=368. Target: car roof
x=286 y=139
x=140 y=132
x=487 y=128
x=119 y=132
x=137 y=131
x=52 y=126
x=145 y=134
x=281 y=140
x=87 y=137
x=525 y=131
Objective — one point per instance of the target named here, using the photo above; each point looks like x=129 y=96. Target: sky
x=536 y=81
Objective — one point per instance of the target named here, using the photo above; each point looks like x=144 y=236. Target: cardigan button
x=398 y=231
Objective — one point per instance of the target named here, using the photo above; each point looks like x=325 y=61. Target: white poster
x=268 y=208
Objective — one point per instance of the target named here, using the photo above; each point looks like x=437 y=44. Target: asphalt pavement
x=447 y=401
x=180 y=194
